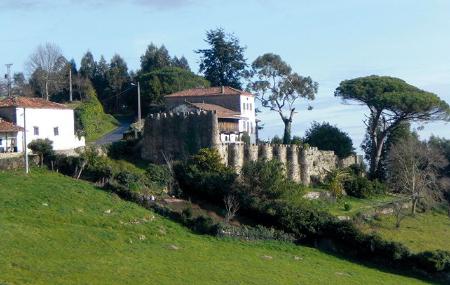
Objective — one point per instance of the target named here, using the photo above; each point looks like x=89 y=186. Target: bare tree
x=47 y=66
x=398 y=208
x=413 y=169
x=231 y=207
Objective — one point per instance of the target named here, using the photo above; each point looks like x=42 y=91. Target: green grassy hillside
x=56 y=230
x=91 y=117
x=424 y=231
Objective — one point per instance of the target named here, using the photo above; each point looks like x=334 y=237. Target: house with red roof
x=235 y=109
x=24 y=119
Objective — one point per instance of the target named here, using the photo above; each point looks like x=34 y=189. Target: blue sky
x=325 y=39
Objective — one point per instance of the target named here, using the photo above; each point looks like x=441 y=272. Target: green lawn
x=426 y=231
x=56 y=230
x=358 y=205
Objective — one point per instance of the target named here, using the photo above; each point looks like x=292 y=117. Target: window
x=250 y=105
x=56 y=131
x=36 y=131
x=1 y=141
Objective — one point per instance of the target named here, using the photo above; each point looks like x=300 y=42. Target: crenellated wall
x=178 y=135
x=301 y=164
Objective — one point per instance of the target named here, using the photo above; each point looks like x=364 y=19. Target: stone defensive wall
x=176 y=136
x=304 y=165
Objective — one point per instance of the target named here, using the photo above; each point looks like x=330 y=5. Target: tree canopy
x=391 y=101
x=165 y=81
x=223 y=63
x=327 y=137
x=278 y=88
x=159 y=57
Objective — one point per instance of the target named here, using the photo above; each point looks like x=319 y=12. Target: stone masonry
x=178 y=135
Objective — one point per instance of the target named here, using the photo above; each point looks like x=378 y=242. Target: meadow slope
x=56 y=230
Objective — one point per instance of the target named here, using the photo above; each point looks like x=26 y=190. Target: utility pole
x=70 y=82
x=139 y=103
x=27 y=169
x=8 y=77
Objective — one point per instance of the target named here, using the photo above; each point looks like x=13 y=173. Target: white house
x=235 y=109
x=40 y=119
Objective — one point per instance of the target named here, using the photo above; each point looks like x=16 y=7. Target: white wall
x=46 y=120
x=248 y=112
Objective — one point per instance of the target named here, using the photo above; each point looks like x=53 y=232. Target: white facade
x=248 y=114
x=57 y=125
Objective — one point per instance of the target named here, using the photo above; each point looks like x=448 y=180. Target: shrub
x=159 y=174
x=203 y=225
x=347 y=207
x=433 y=261
x=131 y=180
x=336 y=180
x=361 y=187
x=121 y=149
x=204 y=175
x=261 y=179
x=253 y=233
x=43 y=148
x=327 y=137
x=245 y=138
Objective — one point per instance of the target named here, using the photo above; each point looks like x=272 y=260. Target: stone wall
x=178 y=135
x=303 y=165
x=12 y=161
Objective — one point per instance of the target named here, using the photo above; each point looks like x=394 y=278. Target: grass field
x=424 y=231
x=55 y=230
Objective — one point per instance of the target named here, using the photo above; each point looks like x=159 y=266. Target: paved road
x=115 y=135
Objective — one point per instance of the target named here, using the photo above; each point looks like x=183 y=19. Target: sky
x=328 y=40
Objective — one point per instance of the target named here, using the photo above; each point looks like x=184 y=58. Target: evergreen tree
x=88 y=66
x=155 y=58
x=223 y=63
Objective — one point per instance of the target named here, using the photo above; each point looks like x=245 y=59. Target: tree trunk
x=377 y=151
x=46 y=90
x=287 y=131
x=414 y=206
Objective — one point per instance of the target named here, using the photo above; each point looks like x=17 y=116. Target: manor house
x=235 y=109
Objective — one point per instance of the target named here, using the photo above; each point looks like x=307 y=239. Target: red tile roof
x=7 y=127
x=210 y=91
x=34 y=103
x=221 y=111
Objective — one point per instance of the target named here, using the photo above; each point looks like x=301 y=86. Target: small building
x=43 y=120
x=8 y=136
x=235 y=109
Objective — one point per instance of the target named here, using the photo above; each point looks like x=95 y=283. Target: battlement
x=179 y=135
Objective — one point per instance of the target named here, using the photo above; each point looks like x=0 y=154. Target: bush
x=159 y=174
x=121 y=149
x=347 y=207
x=261 y=179
x=204 y=176
x=203 y=225
x=433 y=261
x=43 y=148
x=254 y=233
x=327 y=137
x=361 y=187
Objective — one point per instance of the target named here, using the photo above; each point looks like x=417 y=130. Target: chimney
x=222 y=90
